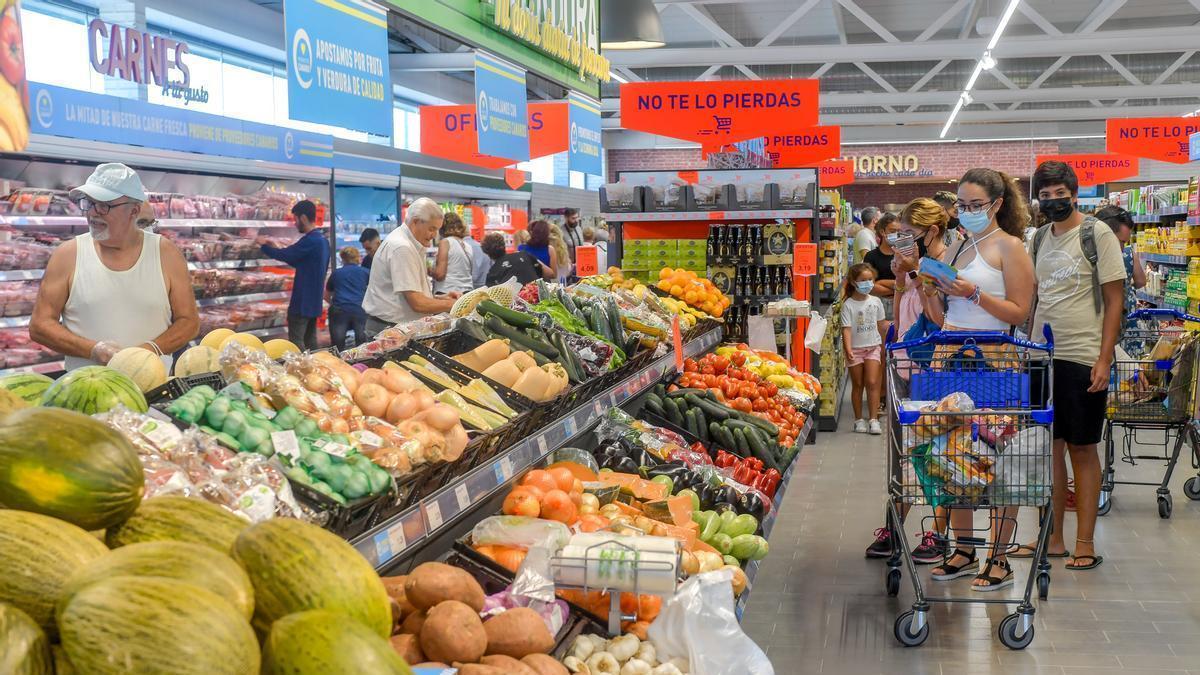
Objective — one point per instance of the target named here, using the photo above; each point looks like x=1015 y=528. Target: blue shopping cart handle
x=958 y=337
x=1159 y=313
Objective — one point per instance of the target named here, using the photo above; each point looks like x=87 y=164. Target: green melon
x=67 y=465
x=27 y=386
x=171 y=518
x=37 y=556
x=153 y=625
x=191 y=563
x=295 y=566
x=94 y=389
x=24 y=649
x=319 y=641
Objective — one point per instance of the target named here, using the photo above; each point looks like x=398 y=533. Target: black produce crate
x=347 y=521
x=178 y=386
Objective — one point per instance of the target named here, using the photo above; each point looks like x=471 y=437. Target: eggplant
x=727 y=494
x=645 y=458
x=625 y=465
x=707 y=497
x=753 y=504
x=677 y=473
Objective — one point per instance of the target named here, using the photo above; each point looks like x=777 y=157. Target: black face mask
x=1057 y=210
x=953 y=223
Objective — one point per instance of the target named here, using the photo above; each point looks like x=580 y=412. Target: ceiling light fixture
x=630 y=24
x=987 y=61
x=1194 y=113
x=617 y=76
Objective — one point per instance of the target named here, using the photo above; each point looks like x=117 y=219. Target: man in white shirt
x=865 y=240
x=400 y=289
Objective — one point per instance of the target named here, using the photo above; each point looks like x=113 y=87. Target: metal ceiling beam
x=943 y=20
x=709 y=72
x=869 y=21
x=1038 y=20
x=1120 y=68
x=1183 y=58
x=701 y=16
x=1140 y=41
x=1048 y=72
x=1099 y=15
x=783 y=26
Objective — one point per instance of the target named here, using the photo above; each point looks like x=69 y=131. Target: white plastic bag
x=701 y=615
x=816 y=332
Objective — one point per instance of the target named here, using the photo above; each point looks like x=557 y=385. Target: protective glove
x=102 y=352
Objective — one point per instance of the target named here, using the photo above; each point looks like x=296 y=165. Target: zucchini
x=541 y=360
x=701 y=423
x=723 y=437
x=690 y=419
x=518 y=339
x=739 y=438
x=631 y=345
x=766 y=426
x=674 y=416
x=661 y=390
x=655 y=406
x=716 y=411
x=565 y=298
x=508 y=316
x=680 y=393
x=565 y=357
x=614 y=321
x=758 y=447
x=473 y=329
x=597 y=323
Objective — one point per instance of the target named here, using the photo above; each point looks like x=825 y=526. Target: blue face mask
x=864 y=287
x=975 y=222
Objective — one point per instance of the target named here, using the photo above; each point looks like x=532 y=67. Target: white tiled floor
x=819 y=607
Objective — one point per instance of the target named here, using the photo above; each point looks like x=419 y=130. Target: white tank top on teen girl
x=458 y=268
x=124 y=308
x=962 y=313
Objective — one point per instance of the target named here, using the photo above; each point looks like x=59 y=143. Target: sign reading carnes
x=889 y=166
x=1161 y=138
x=142 y=57
x=1095 y=169
x=567 y=30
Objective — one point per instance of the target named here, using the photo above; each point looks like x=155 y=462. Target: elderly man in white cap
x=117 y=285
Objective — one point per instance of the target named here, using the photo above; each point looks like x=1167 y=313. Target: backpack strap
x=1087 y=241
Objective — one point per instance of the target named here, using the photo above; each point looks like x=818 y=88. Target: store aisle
x=819 y=606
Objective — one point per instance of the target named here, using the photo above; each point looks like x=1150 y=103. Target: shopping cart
x=969 y=428
x=1152 y=400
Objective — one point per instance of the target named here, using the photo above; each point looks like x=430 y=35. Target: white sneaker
x=874 y=428
x=860 y=426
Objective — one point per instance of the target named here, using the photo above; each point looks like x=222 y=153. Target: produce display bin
x=178 y=386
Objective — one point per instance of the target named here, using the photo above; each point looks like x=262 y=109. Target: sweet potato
x=478 y=669
x=432 y=583
x=453 y=632
x=413 y=622
x=408 y=647
x=508 y=664
x=544 y=664
x=395 y=590
x=518 y=633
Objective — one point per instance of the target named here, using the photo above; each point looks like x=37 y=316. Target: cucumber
x=541 y=360
x=673 y=413
x=701 y=424
x=724 y=438
x=661 y=390
x=690 y=419
x=597 y=323
x=766 y=426
x=509 y=316
x=655 y=406
x=630 y=346
x=614 y=321
x=715 y=411
x=738 y=423
x=519 y=339
x=758 y=447
x=680 y=393
x=739 y=438
x=565 y=299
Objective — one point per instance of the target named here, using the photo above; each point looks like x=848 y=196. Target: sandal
x=994 y=583
x=1095 y=559
x=1021 y=551
x=955 y=571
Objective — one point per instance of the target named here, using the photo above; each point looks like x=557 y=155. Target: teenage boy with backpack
x=1080 y=294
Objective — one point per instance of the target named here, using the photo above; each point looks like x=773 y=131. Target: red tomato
x=707 y=370
x=770 y=389
x=738 y=358
x=690 y=366
x=710 y=381
x=760 y=405
x=743 y=404
x=720 y=364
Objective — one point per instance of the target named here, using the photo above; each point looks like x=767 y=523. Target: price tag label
x=677 y=342
x=612 y=398
x=433 y=515
x=503 y=470
x=543 y=449
x=396 y=540
x=333 y=447
x=598 y=407
x=463 y=497
x=286 y=444
x=383 y=549
x=570 y=426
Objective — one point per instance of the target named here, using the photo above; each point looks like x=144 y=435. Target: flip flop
x=1096 y=560
x=1020 y=551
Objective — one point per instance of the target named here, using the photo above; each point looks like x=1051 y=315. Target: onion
x=441 y=417
x=402 y=407
x=456 y=442
x=424 y=399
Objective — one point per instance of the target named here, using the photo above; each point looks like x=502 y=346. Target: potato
x=432 y=583
x=394 y=585
x=453 y=632
x=508 y=664
x=413 y=622
x=397 y=617
x=408 y=647
x=518 y=633
x=478 y=669
x=543 y=664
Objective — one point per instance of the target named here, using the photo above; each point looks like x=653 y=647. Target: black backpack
x=1087 y=242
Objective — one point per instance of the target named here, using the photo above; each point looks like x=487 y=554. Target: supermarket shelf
x=44 y=368
x=235 y=299
x=1146 y=297
x=14 y=321
x=1165 y=212
x=80 y=221
x=706 y=215
x=828 y=424
x=1164 y=259
x=232 y=264
x=269 y=331
x=386 y=543
x=20 y=275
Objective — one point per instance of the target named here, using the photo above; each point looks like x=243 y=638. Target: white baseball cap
x=110 y=182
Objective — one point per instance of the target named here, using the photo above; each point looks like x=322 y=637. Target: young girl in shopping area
x=863 y=323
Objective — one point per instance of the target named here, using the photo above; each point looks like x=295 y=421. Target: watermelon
x=171 y=518
x=28 y=386
x=129 y=624
x=94 y=389
x=142 y=366
x=295 y=566
x=67 y=465
x=182 y=561
x=24 y=649
x=37 y=555
x=320 y=641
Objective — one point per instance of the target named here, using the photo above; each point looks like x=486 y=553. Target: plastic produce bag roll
x=596 y=560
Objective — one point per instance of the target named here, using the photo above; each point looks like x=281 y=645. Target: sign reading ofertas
x=585 y=148
x=337 y=58
x=501 y=128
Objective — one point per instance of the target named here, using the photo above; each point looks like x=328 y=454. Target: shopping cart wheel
x=1105 y=503
x=1164 y=506
x=892 y=582
x=1043 y=585
x=1008 y=632
x=1191 y=487
x=903 y=629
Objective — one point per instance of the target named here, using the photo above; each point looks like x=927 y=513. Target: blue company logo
x=482 y=113
x=44 y=109
x=289 y=145
x=302 y=58
x=574 y=137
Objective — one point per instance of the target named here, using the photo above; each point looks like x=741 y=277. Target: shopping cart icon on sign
x=723 y=123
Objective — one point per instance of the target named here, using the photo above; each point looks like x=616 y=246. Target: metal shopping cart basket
x=1152 y=401
x=969 y=428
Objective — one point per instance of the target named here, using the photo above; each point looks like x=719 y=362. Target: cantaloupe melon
x=197 y=360
x=142 y=366
x=247 y=339
x=216 y=337
x=278 y=347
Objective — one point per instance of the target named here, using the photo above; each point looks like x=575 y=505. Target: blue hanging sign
x=502 y=128
x=586 y=148
x=337 y=60
x=1194 y=147
x=58 y=111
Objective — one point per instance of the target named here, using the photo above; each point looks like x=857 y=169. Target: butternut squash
x=533 y=384
x=503 y=372
x=491 y=351
x=558 y=380
x=522 y=360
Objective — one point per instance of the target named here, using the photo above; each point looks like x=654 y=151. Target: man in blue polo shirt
x=310 y=256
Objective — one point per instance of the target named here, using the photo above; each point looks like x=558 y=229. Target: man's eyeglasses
x=974 y=208
x=86 y=204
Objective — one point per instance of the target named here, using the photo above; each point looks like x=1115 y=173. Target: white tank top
x=962 y=313
x=124 y=308
x=458 y=268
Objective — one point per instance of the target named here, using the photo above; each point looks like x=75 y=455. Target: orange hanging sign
x=478 y=222
x=520 y=219
x=448 y=131
x=714 y=114
x=1161 y=138
x=1094 y=169
x=835 y=172
x=549 y=133
x=587 y=260
x=805 y=147
x=514 y=178
x=804 y=259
